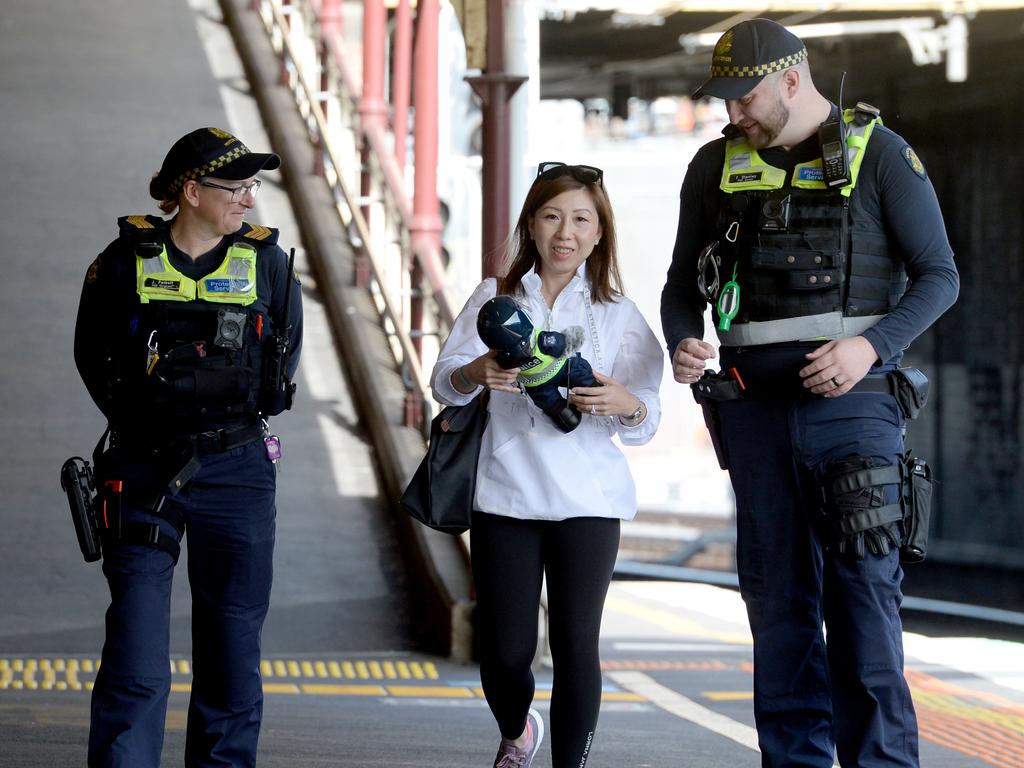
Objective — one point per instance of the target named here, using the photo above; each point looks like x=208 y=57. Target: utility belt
x=910 y=388
x=908 y=385
x=96 y=503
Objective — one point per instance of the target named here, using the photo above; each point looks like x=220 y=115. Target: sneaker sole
x=539 y=721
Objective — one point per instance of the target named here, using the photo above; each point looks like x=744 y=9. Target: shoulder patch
x=260 y=234
x=93 y=271
x=914 y=161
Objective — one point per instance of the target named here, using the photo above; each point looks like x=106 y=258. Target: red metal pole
x=401 y=75
x=329 y=25
x=330 y=17
x=426 y=224
x=495 y=88
x=372 y=108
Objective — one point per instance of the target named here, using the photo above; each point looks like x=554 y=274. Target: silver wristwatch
x=634 y=418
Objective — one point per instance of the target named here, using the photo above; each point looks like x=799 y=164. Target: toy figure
x=548 y=359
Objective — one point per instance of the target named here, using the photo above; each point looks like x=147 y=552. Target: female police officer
x=179 y=323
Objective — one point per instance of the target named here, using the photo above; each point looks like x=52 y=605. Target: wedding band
x=835 y=382
x=593 y=410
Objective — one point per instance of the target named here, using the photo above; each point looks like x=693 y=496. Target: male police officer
x=181 y=330
x=801 y=226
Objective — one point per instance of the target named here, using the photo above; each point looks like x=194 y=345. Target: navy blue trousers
x=816 y=696
x=229 y=514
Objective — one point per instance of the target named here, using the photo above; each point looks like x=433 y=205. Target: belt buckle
x=211 y=441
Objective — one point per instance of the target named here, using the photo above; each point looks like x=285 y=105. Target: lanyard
x=593 y=327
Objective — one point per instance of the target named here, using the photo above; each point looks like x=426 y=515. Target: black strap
x=878 y=383
x=146 y=535
x=867 y=518
x=865 y=478
x=720 y=387
x=221 y=440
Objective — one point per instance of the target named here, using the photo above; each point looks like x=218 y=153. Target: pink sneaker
x=511 y=756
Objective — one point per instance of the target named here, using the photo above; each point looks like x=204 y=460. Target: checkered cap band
x=208 y=168
x=759 y=70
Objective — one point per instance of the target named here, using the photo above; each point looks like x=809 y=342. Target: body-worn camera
x=775 y=213
x=230 y=329
x=78 y=482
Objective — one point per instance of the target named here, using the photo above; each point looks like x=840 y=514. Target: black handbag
x=440 y=494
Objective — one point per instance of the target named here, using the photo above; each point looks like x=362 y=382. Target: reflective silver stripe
x=154 y=265
x=831 y=325
x=546 y=375
x=239 y=268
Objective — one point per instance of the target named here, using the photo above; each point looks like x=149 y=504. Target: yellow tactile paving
x=398 y=678
x=279 y=676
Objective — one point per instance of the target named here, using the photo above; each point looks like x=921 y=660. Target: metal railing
x=357 y=159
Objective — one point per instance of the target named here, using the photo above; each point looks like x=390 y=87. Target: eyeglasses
x=708 y=279
x=237 y=193
x=585 y=174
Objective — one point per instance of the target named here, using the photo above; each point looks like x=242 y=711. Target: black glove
x=855 y=507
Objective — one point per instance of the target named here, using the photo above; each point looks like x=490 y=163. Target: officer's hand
x=610 y=399
x=486 y=371
x=837 y=365
x=690 y=359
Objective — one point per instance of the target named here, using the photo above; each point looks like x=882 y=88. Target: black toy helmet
x=504 y=325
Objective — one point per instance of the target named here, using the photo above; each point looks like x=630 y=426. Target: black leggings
x=509 y=559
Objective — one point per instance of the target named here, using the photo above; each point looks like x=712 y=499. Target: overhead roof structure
x=590 y=48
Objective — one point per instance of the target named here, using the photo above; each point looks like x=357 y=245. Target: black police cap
x=209 y=152
x=746 y=53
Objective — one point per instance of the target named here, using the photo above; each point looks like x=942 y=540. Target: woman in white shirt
x=550 y=503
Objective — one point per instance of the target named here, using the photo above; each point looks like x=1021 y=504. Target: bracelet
x=463 y=380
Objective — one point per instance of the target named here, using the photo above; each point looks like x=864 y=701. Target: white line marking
x=686 y=709
x=656 y=647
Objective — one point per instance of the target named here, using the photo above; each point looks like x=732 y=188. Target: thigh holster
x=855 y=509
x=115 y=530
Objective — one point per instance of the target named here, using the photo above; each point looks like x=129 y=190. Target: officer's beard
x=771 y=127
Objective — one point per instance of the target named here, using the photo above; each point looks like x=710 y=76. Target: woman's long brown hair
x=521 y=251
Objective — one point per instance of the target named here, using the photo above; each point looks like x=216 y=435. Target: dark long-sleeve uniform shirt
x=892 y=190
x=109 y=308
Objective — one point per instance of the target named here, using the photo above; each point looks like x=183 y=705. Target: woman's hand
x=611 y=399
x=485 y=371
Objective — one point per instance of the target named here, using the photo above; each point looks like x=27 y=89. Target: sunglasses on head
x=585 y=174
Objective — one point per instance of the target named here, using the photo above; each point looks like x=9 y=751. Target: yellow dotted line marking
x=75 y=674
x=398 y=678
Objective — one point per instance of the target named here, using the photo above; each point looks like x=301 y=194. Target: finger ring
x=835 y=382
x=593 y=410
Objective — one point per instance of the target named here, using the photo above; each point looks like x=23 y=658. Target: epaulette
x=732 y=131
x=864 y=113
x=258 y=234
x=147 y=232
x=139 y=224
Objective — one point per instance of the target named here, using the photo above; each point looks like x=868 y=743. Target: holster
x=710 y=390
x=917 y=506
x=910 y=388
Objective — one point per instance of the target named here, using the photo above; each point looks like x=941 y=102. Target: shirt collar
x=531 y=280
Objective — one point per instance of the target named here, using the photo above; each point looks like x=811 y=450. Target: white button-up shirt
x=528 y=468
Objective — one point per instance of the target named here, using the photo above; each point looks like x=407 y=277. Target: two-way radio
x=835 y=163
x=278 y=391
